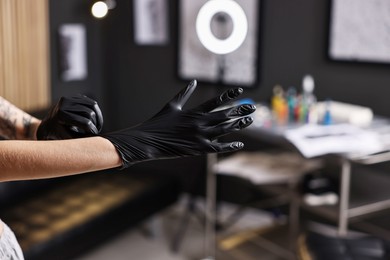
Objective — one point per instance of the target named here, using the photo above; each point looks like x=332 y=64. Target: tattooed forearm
x=7 y=129
x=15 y=123
x=7 y=125
x=29 y=132
x=27 y=125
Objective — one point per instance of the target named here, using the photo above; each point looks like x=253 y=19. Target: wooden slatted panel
x=24 y=53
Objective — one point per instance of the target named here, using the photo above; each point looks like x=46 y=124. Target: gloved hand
x=72 y=117
x=174 y=132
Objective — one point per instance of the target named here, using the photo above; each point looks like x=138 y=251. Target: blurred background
x=140 y=54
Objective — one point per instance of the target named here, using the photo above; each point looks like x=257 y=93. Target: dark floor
x=241 y=241
x=256 y=235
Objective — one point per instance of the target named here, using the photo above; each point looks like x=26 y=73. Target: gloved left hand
x=72 y=117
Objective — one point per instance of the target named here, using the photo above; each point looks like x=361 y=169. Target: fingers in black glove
x=72 y=117
x=231 y=126
x=82 y=113
x=221 y=100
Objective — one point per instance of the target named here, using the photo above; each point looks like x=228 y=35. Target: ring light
x=203 y=26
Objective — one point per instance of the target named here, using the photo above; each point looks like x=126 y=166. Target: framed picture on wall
x=72 y=52
x=218 y=41
x=360 y=31
x=151 y=22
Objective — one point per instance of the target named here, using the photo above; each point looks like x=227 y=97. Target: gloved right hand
x=174 y=132
x=72 y=117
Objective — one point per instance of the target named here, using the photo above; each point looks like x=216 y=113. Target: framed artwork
x=360 y=31
x=151 y=22
x=219 y=41
x=72 y=52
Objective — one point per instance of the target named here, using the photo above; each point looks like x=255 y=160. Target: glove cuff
x=121 y=151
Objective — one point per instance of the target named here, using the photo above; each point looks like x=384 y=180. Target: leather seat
x=74 y=215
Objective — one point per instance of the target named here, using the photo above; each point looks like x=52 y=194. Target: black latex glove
x=72 y=117
x=174 y=132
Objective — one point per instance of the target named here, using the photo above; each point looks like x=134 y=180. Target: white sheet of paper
x=317 y=140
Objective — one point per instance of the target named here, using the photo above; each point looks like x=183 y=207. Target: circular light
x=203 y=28
x=99 y=9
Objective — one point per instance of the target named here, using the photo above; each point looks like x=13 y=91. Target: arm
x=15 y=123
x=23 y=160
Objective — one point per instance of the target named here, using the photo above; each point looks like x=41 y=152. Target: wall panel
x=24 y=50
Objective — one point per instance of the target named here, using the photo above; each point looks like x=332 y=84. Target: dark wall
x=293 y=39
x=141 y=79
x=69 y=12
x=295 y=35
x=135 y=81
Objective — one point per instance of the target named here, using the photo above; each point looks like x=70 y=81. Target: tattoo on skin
x=7 y=122
x=27 y=126
x=14 y=123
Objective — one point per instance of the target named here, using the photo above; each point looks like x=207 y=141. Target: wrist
x=31 y=131
x=111 y=152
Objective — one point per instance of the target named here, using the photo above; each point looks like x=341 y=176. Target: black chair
x=315 y=246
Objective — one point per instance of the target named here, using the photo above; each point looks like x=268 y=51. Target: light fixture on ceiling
x=100 y=9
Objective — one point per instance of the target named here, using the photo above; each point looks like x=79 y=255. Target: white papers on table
x=267 y=167
x=316 y=140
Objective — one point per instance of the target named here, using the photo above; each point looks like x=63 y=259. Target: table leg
x=210 y=233
x=294 y=214
x=344 y=197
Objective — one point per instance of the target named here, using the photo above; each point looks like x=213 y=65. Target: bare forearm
x=15 y=123
x=22 y=160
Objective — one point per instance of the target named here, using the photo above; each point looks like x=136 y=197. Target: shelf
x=370 y=193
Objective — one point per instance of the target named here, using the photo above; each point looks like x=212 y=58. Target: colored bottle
x=327 y=120
x=291 y=103
x=308 y=100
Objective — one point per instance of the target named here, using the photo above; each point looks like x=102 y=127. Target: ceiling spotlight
x=100 y=8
